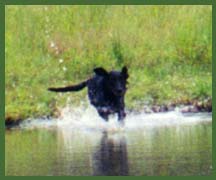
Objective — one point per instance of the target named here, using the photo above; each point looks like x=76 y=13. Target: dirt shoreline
x=194 y=106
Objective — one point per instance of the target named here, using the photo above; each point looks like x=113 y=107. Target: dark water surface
x=182 y=146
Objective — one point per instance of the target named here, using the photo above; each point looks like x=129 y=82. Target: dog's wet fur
x=106 y=91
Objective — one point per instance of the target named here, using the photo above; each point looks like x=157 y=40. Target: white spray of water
x=86 y=118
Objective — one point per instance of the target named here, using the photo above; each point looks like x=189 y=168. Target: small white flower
x=61 y=60
x=52 y=44
x=64 y=68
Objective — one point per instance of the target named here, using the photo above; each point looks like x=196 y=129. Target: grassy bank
x=167 y=49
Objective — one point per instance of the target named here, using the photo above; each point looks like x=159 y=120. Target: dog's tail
x=69 y=88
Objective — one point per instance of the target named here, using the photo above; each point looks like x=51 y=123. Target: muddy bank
x=11 y=122
x=194 y=106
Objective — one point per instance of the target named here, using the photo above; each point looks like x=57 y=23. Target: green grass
x=168 y=50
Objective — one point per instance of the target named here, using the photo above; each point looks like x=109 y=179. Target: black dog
x=106 y=91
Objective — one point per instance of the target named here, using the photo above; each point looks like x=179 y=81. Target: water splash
x=86 y=118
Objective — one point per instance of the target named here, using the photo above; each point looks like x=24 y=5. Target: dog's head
x=115 y=80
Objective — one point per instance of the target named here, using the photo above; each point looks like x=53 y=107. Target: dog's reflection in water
x=110 y=158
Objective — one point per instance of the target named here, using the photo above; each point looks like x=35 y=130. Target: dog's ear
x=100 y=71
x=124 y=72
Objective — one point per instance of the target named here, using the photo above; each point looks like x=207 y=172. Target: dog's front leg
x=121 y=115
x=103 y=113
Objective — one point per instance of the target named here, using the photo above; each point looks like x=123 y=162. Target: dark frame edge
x=56 y=2
x=106 y=2
x=213 y=87
x=2 y=88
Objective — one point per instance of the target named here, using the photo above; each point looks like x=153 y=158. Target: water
x=80 y=143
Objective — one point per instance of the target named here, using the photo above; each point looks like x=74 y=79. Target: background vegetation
x=168 y=50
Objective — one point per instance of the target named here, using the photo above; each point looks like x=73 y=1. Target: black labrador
x=106 y=91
